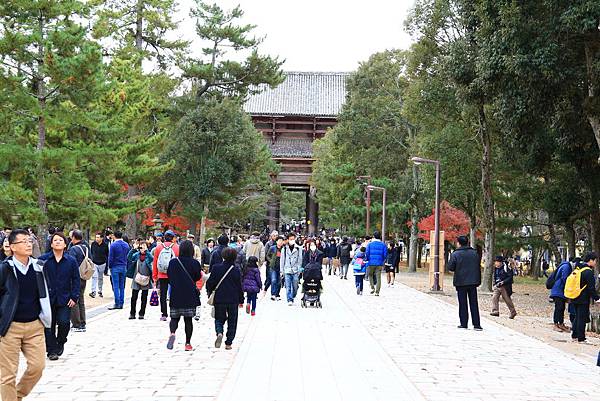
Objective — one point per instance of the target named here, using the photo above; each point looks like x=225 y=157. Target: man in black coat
x=465 y=264
x=581 y=304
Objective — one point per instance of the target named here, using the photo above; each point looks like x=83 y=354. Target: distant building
x=291 y=117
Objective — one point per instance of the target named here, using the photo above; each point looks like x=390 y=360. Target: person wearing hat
x=197 y=250
x=503 y=280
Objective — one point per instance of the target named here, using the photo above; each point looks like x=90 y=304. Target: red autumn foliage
x=173 y=221
x=454 y=222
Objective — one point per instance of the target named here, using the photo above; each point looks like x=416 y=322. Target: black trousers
x=143 y=302
x=55 y=339
x=469 y=292
x=226 y=313
x=268 y=278
x=559 y=310
x=163 y=285
x=582 y=316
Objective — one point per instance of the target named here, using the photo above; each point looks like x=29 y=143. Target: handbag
x=211 y=299
x=139 y=278
x=154 y=298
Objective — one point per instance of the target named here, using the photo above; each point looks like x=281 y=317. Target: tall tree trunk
x=536 y=266
x=202 y=234
x=592 y=55
x=571 y=239
x=414 y=218
x=473 y=231
x=488 y=218
x=131 y=221
x=595 y=229
x=419 y=248
x=554 y=244
x=41 y=99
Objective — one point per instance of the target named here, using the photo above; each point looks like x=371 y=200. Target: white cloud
x=318 y=35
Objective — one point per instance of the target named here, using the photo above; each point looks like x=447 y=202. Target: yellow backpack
x=573 y=284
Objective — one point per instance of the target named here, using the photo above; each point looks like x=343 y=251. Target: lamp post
x=436 y=256
x=370 y=188
x=368 y=178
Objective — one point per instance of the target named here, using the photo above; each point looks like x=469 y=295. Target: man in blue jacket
x=376 y=254
x=558 y=295
x=64 y=288
x=117 y=262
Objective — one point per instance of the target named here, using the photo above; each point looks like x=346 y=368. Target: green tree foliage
x=371 y=125
x=220 y=162
x=51 y=80
x=218 y=72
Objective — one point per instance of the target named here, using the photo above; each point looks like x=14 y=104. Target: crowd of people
x=42 y=295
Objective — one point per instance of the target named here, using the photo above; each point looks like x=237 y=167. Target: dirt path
x=534 y=311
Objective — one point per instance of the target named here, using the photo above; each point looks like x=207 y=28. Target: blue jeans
x=359 y=281
x=60 y=318
x=275 y=283
x=251 y=299
x=291 y=285
x=118 y=282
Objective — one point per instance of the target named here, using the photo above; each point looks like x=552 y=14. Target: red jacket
x=155 y=273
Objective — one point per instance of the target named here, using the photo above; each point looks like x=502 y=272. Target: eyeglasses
x=26 y=241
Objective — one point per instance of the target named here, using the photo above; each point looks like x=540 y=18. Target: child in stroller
x=311 y=285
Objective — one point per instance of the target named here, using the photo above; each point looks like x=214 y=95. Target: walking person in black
x=581 y=304
x=465 y=264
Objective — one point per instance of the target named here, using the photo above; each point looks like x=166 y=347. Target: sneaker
x=93 y=294
x=494 y=314
x=141 y=317
x=290 y=303
x=372 y=291
x=253 y=313
x=171 y=341
x=512 y=315
x=478 y=328
x=163 y=318
x=113 y=307
x=462 y=327
x=131 y=317
x=53 y=357
x=376 y=294
x=188 y=347
x=345 y=278
x=358 y=291
x=100 y=294
x=558 y=328
x=61 y=350
x=219 y=340
x=197 y=318
x=227 y=346
x=273 y=298
x=278 y=298
x=248 y=308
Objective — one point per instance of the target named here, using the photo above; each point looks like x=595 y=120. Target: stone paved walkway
x=403 y=345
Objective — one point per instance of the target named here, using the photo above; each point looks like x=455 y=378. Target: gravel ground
x=531 y=302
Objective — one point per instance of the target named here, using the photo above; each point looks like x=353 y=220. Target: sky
x=317 y=35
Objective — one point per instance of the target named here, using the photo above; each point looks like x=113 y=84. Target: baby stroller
x=311 y=286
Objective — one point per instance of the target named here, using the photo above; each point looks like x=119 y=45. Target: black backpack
x=345 y=250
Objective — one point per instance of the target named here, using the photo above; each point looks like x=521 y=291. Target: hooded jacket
x=9 y=293
x=291 y=259
x=252 y=282
x=254 y=247
x=558 y=289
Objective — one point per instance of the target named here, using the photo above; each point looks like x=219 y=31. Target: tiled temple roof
x=319 y=94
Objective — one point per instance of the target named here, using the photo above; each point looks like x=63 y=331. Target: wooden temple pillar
x=312 y=212
x=273 y=207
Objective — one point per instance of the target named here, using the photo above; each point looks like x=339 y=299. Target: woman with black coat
x=183 y=271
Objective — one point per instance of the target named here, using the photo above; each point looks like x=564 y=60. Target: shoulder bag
x=211 y=299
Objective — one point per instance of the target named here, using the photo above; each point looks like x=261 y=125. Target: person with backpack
x=225 y=282
x=251 y=284
x=343 y=254
x=183 y=274
x=503 y=281
x=79 y=250
x=580 y=288
x=63 y=278
x=556 y=282
x=142 y=257
x=163 y=253
x=331 y=254
x=359 y=268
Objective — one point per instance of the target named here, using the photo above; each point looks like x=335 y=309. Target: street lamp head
x=416 y=160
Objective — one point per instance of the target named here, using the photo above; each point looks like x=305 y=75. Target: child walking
x=359 y=267
x=251 y=284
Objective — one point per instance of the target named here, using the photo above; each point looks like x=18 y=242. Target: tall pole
x=383 y=219
x=368 y=206
x=436 y=251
